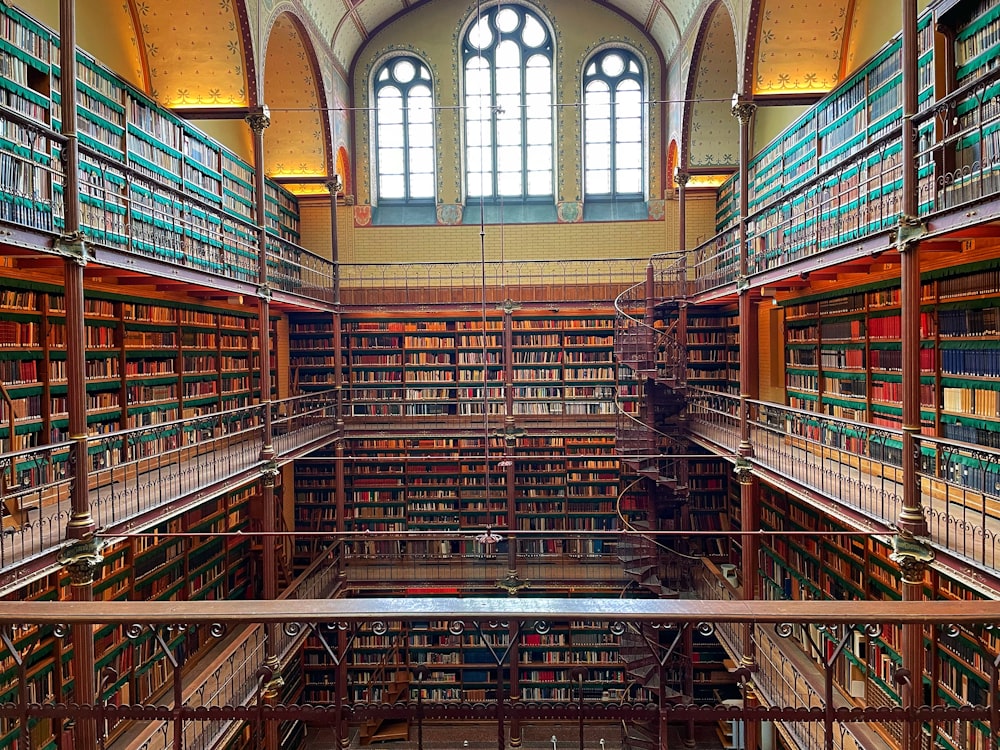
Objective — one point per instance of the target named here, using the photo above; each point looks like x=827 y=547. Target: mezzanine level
x=143 y=475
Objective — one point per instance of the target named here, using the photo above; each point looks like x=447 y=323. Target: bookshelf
x=312 y=352
x=562 y=364
x=843 y=355
x=146 y=363
x=833 y=564
x=818 y=150
x=712 y=349
x=191 y=200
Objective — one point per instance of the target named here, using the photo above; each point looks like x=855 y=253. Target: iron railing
x=135 y=473
x=860 y=466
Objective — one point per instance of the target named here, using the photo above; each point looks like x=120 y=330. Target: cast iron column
x=259 y=120
x=83 y=556
x=744 y=110
x=910 y=552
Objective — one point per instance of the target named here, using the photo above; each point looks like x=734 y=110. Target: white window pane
x=508 y=55
x=404 y=71
x=538 y=106
x=421 y=135
x=391 y=186
x=597 y=155
x=628 y=131
x=598 y=181
x=509 y=132
x=534 y=33
x=390 y=160
x=613 y=65
x=507 y=20
x=479 y=184
x=628 y=154
x=633 y=67
x=596 y=110
x=628 y=180
x=539 y=74
x=630 y=88
x=509 y=183
x=478 y=159
x=480 y=36
x=509 y=158
x=477 y=108
x=477 y=134
x=477 y=77
x=390 y=135
x=591 y=69
x=598 y=131
x=390 y=105
x=422 y=186
x=628 y=107
x=539 y=183
x=384 y=75
x=539 y=157
x=510 y=104
x=421 y=160
x=598 y=91
x=540 y=132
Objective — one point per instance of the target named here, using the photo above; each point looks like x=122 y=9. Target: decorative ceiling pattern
x=348 y=24
x=294 y=144
x=800 y=45
x=714 y=130
x=194 y=52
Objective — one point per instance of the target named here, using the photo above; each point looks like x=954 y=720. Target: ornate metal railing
x=778 y=679
x=859 y=199
x=792 y=704
x=134 y=473
x=235 y=674
x=141 y=213
x=860 y=466
x=466 y=282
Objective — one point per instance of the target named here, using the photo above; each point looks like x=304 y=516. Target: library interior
x=500 y=373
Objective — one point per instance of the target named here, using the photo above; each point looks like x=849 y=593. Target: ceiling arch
x=297 y=142
x=206 y=66
x=712 y=131
x=801 y=46
x=348 y=24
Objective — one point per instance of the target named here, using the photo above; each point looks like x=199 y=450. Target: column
x=258 y=120
x=909 y=551
x=744 y=110
x=83 y=557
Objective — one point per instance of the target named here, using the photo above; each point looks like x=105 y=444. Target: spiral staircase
x=650 y=441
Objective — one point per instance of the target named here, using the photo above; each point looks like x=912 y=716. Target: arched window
x=507 y=56
x=404 y=132
x=614 y=125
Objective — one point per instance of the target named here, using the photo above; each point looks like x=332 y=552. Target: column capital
x=82 y=559
x=912 y=555
x=334 y=185
x=743 y=109
x=259 y=119
x=681 y=177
